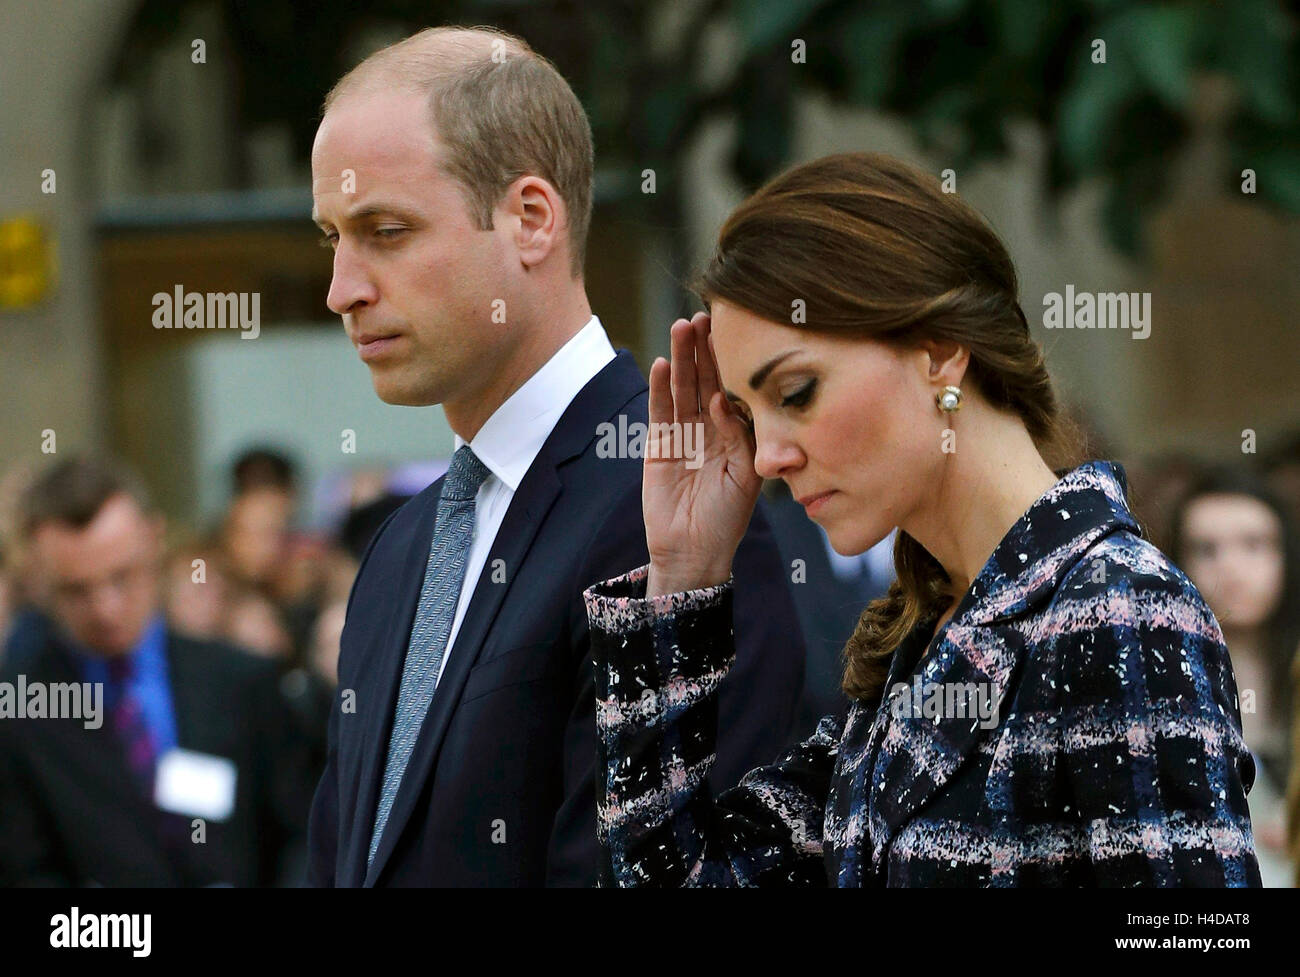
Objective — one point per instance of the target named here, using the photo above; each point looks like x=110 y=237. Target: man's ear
x=946 y=363
x=537 y=217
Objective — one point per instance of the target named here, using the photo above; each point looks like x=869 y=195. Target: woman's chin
x=846 y=545
x=846 y=541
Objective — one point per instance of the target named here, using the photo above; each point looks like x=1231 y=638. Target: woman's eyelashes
x=800 y=397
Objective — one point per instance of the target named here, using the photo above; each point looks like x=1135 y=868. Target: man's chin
x=114 y=646
x=400 y=395
x=391 y=387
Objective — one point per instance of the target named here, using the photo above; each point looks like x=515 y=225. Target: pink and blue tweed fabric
x=1116 y=758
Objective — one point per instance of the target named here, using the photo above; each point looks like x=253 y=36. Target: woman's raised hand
x=699 y=486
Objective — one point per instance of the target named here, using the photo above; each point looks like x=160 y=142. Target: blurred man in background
x=193 y=777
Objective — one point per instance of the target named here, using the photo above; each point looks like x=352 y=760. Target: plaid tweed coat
x=1114 y=756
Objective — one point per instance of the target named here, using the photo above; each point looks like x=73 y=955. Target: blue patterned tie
x=439 y=595
x=129 y=722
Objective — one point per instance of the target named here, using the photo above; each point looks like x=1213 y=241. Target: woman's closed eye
x=800 y=397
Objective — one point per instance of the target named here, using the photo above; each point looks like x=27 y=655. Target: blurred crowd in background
x=256 y=583
x=254 y=580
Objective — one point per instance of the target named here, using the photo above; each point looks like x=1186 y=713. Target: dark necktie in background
x=128 y=721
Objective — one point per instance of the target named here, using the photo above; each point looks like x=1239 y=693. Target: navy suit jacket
x=500 y=786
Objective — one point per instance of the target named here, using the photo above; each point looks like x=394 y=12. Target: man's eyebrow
x=380 y=209
x=369 y=212
x=762 y=372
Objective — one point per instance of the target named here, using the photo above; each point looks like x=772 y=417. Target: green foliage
x=957 y=71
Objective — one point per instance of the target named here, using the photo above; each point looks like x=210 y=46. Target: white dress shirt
x=511 y=438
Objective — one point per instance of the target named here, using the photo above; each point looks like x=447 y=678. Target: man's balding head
x=500 y=111
x=420 y=62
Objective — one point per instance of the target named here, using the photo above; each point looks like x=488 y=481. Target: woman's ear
x=948 y=360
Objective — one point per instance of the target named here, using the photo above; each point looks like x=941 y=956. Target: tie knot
x=464 y=476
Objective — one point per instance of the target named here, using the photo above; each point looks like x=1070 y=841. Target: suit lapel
x=188 y=689
x=372 y=748
x=537 y=493
x=608 y=392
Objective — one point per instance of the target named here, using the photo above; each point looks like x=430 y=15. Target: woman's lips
x=814 y=503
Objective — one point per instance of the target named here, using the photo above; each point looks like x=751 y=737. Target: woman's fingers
x=685 y=385
x=713 y=365
x=661 y=394
x=733 y=430
x=706 y=369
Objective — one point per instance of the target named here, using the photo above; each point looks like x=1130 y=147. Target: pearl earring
x=949 y=399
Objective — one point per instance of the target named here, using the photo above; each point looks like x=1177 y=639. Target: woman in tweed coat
x=1042 y=698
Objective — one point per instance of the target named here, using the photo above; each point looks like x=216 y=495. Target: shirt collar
x=511 y=438
x=1084 y=505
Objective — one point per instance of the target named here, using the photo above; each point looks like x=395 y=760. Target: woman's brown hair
x=865 y=245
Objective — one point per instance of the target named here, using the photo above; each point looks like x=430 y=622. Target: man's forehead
x=360 y=156
x=383 y=128
x=115 y=533
x=352 y=197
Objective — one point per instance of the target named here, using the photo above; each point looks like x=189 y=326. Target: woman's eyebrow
x=762 y=372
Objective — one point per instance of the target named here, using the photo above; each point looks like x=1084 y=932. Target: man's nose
x=351 y=286
x=108 y=604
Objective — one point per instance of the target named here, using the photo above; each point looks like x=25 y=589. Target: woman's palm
x=699 y=486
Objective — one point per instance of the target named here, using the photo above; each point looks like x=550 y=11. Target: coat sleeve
x=323 y=820
x=1154 y=757
x=658 y=664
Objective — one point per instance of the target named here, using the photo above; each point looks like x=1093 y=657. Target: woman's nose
x=775 y=456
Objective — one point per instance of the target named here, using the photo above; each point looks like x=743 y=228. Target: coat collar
x=917 y=756
x=1040 y=548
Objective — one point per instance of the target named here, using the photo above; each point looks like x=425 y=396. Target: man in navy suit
x=452 y=175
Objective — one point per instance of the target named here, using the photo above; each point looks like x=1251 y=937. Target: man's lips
x=374 y=344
